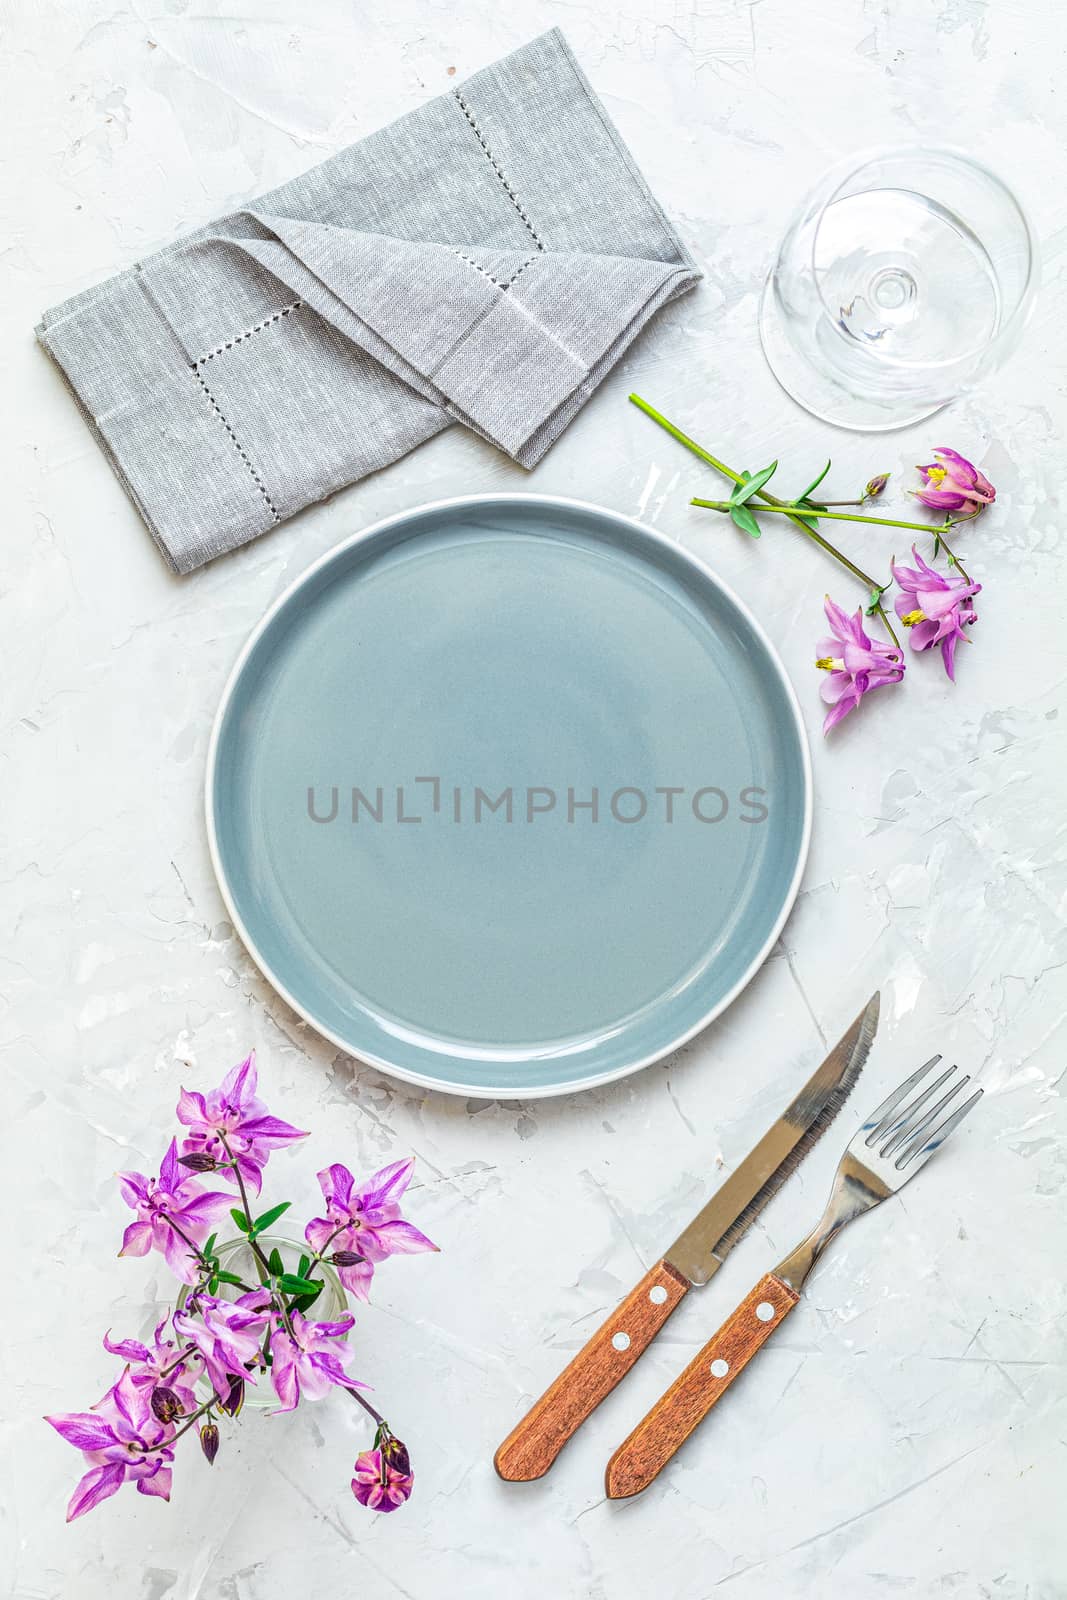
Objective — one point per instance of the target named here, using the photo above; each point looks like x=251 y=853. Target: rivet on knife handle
x=704 y=1381
x=531 y=1447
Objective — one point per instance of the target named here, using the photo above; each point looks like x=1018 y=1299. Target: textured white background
x=906 y=1436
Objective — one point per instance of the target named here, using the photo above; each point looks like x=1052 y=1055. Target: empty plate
x=508 y=795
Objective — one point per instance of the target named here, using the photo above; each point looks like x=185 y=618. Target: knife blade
x=694 y=1258
x=701 y=1248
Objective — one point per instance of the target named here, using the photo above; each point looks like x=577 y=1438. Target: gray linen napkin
x=485 y=259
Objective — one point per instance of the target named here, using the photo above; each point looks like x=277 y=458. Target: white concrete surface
x=906 y=1436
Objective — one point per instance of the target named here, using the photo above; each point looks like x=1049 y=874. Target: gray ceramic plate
x=401 y=787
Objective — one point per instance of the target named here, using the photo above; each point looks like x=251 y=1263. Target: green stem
x=189 y=1423
x=184 y=1355
x=683 y=438
x=252 y=1240
x=884 y=522
x=320 y=1255
x=379 y=1419
x=836 y=516
x=276 y=1295
x=771 y=501
x=197 y=1253
x=953 y=558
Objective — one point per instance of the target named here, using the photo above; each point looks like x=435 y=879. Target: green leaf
x=212 y=1285
x=241 y=1220
x=277 y=1265
x=229 y=1277
x=207 y=1248
x=745 y=520
x=875 y=599
x=802 y=505
x=264 y=1222
x=751 y=485
x=306 y=1301
x=813 y=485
x=302 y=1269
x=289 y=1283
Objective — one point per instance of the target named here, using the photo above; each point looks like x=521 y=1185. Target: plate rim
x=507 y=1091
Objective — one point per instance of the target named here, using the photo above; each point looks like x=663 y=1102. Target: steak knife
x=692 y=1260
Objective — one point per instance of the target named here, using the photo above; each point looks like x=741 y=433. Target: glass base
x=816 y=391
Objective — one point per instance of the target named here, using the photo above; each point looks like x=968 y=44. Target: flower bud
x=166 y=1406
x=346 y=1258
x=198 y=1162
x=395 y=1454
x=876 y=485
x=235 y=1399
x=209 y=1441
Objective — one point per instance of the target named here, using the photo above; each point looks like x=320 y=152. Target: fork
x=895 y=1141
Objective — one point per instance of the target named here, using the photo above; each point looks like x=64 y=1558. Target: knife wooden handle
x=531 y=1447
x=705 y=1380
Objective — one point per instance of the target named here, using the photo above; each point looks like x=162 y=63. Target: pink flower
x=156 y=1368
x=122 y=1441
x=856 y=664
x=227 y=1334
x=934 y=609
x=307 y=1362
x=380 y=1485
x=365 y=1221
x=232 y=1116
x=952 y=483
x=175 y=1197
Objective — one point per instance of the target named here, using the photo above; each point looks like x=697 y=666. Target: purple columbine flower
x=308 y=1362
x=123 y=1442
x=365 y=1221
x=156 y=1367
x=934 y=609
x=227 y=1334
x=175 y=1196
x=952 y=483
x=378 y=1484
x=856 y=664
x=231 y=1113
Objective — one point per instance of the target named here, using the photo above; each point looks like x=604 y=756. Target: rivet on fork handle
x=705 y=1380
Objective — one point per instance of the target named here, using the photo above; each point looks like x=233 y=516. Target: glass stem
x=772 y=501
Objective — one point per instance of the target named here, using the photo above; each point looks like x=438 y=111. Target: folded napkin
x=485 y=259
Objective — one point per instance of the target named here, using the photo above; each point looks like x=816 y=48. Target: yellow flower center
x=829 y=664
x=910 y=618
x=936 y=475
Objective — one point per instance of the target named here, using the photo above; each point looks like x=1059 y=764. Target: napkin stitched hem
x=394 y=284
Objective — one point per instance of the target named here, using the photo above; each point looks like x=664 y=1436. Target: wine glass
x=906 y=276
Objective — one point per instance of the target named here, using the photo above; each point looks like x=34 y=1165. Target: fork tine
x=915 y=1126
x=934 y=1140
x=881 y=1115
x=903 y=1125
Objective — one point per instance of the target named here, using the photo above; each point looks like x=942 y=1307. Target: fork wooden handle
x=531 y=1447
x=704 y=1381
